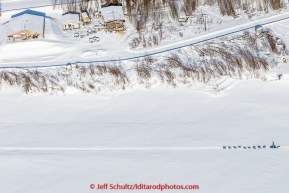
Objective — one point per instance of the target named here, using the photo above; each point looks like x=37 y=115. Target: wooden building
x=85 y=18
x=113 y=17
x=70 y=21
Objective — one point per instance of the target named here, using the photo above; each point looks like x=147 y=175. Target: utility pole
x=204 y=20
x=205 y=23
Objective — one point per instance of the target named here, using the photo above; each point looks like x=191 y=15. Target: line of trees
x=152 y=8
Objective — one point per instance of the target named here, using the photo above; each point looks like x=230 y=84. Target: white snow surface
x=163 y=135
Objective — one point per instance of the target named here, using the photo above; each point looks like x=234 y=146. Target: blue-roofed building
x=26 y=24
x=31 y=12
x=259 y=29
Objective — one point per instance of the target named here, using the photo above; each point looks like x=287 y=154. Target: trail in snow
x=125 y=148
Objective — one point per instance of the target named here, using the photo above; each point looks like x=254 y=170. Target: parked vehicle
x=76 y=34
x=94 y=39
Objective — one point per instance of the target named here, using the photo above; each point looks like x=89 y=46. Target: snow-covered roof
x=111 y=13
x=70 y=18
x=26 y=22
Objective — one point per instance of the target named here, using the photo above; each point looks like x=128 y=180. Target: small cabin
x=70 y=21
x=259 y=29
x=85 y=18
x=68 y=67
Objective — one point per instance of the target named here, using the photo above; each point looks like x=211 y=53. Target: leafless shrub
x=91 y=68
x=83 y=70
x=174 y=61
x=277 y=4
x=26 y=82
x=226 y=7
x=8 y=78
x=135 y=42
x=264 y=64
x=149 y=60
x=166 y=76
x=119 y=73
x=251 y=40
x=101 y=69
x=285 y=50
x=272 y=42
x=190 y=6
x=91 y=86
x=16 y=78
x=144 y=71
